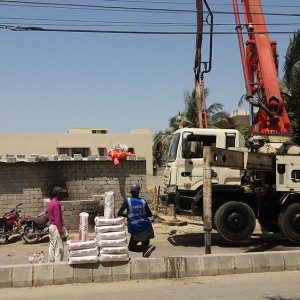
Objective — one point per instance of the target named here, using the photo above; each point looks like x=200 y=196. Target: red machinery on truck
x=262 y=183
x=259 y=61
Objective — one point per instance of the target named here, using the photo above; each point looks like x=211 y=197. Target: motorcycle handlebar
x=15 y=209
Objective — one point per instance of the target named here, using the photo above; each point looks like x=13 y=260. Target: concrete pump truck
x=267 y=188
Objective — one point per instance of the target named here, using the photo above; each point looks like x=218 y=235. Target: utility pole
x=207 y=198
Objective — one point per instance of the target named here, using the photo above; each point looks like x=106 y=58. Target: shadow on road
x=256 y=243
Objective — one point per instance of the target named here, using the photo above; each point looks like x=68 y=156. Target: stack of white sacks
x=110 y=233
x=83 y=251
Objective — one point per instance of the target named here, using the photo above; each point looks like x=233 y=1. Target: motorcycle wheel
x=3 y=239
x=26 y=232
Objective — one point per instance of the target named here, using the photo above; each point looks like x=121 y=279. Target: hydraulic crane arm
x=259 y=60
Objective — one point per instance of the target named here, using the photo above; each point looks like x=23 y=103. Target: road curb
x=150 y=268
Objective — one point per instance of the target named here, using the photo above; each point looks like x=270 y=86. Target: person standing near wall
x=57 y=235
x=139 y=225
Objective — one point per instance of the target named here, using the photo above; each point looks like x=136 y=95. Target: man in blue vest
x=139 y=225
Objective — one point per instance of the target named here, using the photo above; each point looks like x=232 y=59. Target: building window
x=102 y=151
x=131 y=150
x=63 y=151
x=85 y=152
x=230 y=141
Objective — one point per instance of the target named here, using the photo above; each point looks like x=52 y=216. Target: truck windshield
x=173 y=147
x=194 y=145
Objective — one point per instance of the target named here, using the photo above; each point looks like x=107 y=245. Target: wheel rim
x=235 y=222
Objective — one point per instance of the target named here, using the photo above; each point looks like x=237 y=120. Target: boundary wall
x=148 y=268
x=86 y=181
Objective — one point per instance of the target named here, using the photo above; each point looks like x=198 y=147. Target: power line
x=137 y=23
x=21 y=28
x=117 y=8
x=169 y=3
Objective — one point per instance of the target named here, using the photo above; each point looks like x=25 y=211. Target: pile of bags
x=83 y=251
x=110 y=243
x=110 y=233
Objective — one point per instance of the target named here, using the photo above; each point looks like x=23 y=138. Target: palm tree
x=189 y=116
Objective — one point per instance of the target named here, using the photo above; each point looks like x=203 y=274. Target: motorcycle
x=35 y=228
x=9 y=224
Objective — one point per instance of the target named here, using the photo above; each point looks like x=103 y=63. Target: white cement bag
x=114 y=257
x=111 y=235
x=85 y=252
x=83 y=260
x=110 y=228
x=101 y=221
x=114 y=250
x=109 y=205
x=83 y=226
x=112 y=243
x=77 y=245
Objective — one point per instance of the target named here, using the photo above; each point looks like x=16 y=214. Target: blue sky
x=53 y=81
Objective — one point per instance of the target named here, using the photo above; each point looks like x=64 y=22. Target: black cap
x=58 y=190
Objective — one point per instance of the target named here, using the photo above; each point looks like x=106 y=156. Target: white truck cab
x=183 y=175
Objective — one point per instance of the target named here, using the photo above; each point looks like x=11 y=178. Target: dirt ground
x=169 y=240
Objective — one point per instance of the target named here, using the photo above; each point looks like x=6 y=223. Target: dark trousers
x=134 y=247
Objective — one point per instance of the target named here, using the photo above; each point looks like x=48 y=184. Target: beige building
x=78 y=143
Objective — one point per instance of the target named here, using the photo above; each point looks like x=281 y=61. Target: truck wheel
x=289 y=221
x=235 y=221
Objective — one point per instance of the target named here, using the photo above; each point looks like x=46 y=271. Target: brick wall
x=31 y=183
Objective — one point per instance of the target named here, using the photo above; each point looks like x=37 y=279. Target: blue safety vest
x=137 y=217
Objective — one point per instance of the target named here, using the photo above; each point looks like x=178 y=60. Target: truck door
x=190 y=166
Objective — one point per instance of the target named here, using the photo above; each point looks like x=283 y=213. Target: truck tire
x=289 y=222
x=235 y=221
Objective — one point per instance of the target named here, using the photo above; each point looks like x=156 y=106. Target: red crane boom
x=259 y=60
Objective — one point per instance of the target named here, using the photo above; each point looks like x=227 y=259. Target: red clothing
x=54 y=213
x=118 y=154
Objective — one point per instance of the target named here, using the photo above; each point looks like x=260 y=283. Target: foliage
x=189 y=117
x=215 y=113
x=292 y=83
x=160 y=147
x=291 y=58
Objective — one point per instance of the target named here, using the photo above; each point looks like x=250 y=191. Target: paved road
x=269 y=286
x=169 y=240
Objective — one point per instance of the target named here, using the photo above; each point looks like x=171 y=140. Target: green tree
x=161 y=139
x=160 y=147
x=215 y=113
x=291 y=84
